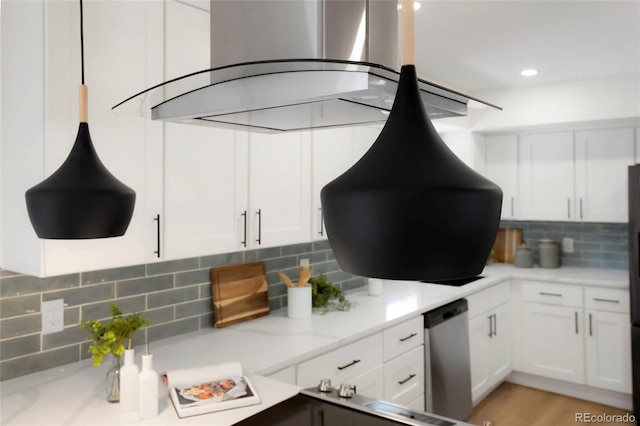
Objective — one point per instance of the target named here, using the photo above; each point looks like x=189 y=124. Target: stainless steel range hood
x=281 y=65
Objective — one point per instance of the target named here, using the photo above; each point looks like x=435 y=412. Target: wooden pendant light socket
x=407 y=25
x=83 y=103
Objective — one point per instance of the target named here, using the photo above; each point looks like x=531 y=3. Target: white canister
x=375 y=286
x=299 y=302
x=129 y=382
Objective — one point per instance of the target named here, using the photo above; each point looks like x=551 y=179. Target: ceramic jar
x=523 y=257
x=548 y=251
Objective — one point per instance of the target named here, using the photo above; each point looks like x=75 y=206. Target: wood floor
x=514 y=405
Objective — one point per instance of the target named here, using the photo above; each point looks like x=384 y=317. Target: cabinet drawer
x=606 y=299
x=342 y=364
x=403 y=337
x=552 y=293
x=404 y=376
x=488 y=299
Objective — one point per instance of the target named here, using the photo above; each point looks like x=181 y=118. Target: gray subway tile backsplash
x=176 y=296
x=596 y=245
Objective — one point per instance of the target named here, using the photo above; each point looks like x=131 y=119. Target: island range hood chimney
x=281 y=65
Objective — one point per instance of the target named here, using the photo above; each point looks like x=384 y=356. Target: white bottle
x=147 y=389
x=129 y=383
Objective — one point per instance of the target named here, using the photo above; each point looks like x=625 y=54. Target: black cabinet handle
x=157 y=219
x=244 y=240
x=495 y=325
x=355 y=361
x=259 y=213
x=321 y=222
x=402 y=382
x=408 y=337
x=542 y=293
x=597 y=299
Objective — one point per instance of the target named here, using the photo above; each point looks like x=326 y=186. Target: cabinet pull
x=512 y=209
x=590 y=326
x=576 y=318
x=402 y=382
x=157 y=219
x=490 y=325
x=259 y=213
x=495 y=325
x=542 y=293
x=569 y=208
x=408 y=337
x=581 y=208
x=355 y=361
x=321 y=222
x=244 y=240
x=597 y=299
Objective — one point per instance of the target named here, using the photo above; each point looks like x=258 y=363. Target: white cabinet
x=279 y=204
x=553 y=341
x=489 y=338
x=343 y=364
x=608 y=340
x=546 y=176
x=388 y=365
x=577 y=335
x=602 y=160
x=40 y=127
x=226 y=190
x=501 y=166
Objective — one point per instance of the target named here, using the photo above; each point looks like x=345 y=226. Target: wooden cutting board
x=239 y=293
x=507 y=240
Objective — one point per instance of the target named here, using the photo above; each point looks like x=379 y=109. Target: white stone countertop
x=74 y=395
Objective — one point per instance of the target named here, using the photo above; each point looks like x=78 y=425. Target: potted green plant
x=108 y=338
x=326 y=296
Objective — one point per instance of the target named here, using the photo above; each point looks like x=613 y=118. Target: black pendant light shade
x=409 y=209
x=82 y=199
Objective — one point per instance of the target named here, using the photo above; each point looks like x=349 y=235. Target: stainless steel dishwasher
x=447 y=365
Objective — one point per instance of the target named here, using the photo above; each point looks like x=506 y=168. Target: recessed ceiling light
x=530 y=72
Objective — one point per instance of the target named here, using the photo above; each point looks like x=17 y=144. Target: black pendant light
x=409 y=209
x=81 y=199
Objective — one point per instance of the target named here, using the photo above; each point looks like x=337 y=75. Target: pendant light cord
x=81 y=42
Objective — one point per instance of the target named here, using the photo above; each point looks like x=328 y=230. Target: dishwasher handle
x=445 y=313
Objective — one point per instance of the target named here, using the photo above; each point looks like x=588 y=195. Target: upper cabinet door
x=501 y=165
x=547 y=177
x=279 y=188
x=332 y=155
x=602 y=160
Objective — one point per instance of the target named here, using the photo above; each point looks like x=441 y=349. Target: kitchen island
x=73 y=394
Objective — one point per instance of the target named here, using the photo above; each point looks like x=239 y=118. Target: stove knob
x=346 y=391
x=325 y=386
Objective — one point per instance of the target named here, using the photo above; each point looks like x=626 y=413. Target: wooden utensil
x=286 y=279
x=305 y=274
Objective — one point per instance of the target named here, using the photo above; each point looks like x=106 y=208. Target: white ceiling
x=477 y=45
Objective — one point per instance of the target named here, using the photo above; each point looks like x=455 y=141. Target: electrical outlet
x=567 y=245
x=52 y=316
x=304 y=263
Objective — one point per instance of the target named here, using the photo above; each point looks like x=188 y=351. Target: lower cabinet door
x=370 y=384
x=479 y=354
x=553 y=342
x=608 y=345
x=404 y=376
x=500 y=344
